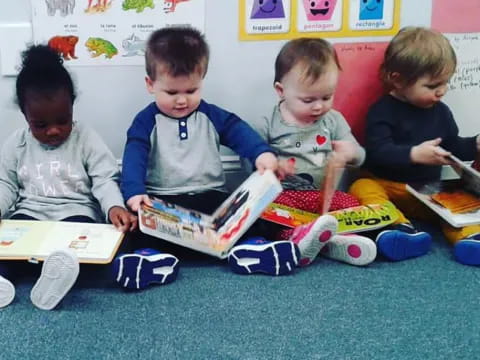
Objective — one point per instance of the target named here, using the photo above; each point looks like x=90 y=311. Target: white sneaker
x=59 y=272
x=7 y=292
x=311 y=238
x=351 y=249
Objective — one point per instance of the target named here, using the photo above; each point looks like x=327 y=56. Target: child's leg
x=7 y=290
x=466 y=243
x=59 y=272
x=399 y=241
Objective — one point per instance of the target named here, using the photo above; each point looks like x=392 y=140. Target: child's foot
x=7 y=292
x=403 y=242
x=59 y=272
x=311 y=238
x=257 y=255
x=350 y=249
x=467 y=251
x=144 y=267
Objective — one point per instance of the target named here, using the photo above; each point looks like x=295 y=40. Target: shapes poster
x=108 y=32
x=286 y=19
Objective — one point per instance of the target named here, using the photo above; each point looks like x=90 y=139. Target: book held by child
x=212 y=234
x=457 y=201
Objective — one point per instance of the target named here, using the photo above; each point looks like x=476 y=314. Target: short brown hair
x=415 y=52
x=181 y=49
x=314 y=53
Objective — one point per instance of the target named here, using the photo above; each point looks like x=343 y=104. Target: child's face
x=305 y=101
x=425 y=92
x=176 y=96
x=49 y=116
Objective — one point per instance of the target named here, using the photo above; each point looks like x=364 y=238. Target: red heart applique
x=291 y=160
x=321 y=139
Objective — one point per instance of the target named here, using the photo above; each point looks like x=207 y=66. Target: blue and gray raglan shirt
x=169 y=156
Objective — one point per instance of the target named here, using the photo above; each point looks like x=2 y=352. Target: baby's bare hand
x=122 y=219
x=429 y=153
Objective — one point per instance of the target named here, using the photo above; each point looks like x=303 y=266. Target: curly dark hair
x=42 y=71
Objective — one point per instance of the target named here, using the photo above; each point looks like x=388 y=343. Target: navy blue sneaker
x=467 y=251
x=144 y=267
x=257 y=255
x=403 y=242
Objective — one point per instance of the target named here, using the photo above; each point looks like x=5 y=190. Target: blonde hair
x=415 y=52
x=314 y=53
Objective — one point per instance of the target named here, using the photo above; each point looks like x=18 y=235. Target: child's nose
x=53 y=131
x=441 y=91
x=181 y=100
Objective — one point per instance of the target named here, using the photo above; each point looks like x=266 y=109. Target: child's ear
x=396 y=80
x=279 y=89
x=149 y=83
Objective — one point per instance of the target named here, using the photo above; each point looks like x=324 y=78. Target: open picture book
x=457 y=201
x=212 y=234
x=35 y=240
x=350 y=220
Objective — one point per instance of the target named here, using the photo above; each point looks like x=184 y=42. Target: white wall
x=240 y=74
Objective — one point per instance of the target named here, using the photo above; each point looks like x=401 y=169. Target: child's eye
x=307 y=101
x=39 y=125
x=326 y=98
x=171 y=92
x=192 y=91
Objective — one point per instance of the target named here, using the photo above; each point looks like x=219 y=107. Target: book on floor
x=212 y=234
x=457 y=201
x=350 y=220
x=35 y=240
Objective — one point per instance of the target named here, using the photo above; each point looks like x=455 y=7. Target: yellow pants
x=379 y=191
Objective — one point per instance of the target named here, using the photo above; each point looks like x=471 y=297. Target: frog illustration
x=99 y=46
x=134 y=46
x=138 y=5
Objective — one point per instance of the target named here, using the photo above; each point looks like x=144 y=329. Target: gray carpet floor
x=424 y=308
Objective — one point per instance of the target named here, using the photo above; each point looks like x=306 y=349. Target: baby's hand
x=345 y=149
x=122 y=219
x=285 y=168
x=429 y=153
x=266 y=161
x=136 y=201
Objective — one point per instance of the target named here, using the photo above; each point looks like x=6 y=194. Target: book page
x=424 y=192
x=244 y=206
x=37 y=239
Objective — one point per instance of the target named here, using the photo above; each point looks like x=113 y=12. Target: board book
x=350 y=220
x=446 y=197
x=35 y=240
x=212 y=234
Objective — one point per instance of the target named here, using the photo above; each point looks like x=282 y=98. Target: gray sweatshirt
x=79 y=177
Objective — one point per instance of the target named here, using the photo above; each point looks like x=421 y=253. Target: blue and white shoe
x=397 y=245
x=144 y=267
x=467 y=252
x=257 y=255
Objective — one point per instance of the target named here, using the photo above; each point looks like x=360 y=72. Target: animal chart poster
x=108 y=32
x=287 y=19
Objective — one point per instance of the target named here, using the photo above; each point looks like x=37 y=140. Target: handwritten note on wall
x=359 y=85
x=463 y=96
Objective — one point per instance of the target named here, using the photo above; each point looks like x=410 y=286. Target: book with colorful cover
x=212 y=234
x=350 y=220
x=457 y=201
x=35 y=240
